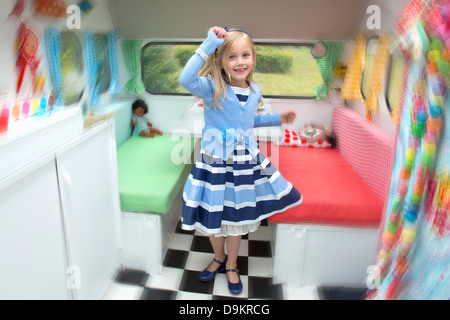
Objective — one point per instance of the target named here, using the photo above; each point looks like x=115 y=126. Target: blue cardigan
x=234 y=123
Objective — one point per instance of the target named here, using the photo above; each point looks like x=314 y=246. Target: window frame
x=198 y=43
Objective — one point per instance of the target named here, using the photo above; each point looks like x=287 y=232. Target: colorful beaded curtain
x=414 y=248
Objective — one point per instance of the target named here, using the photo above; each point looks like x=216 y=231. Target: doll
x=141 y=125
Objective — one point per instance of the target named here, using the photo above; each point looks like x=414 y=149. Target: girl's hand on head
x=219 y=32
x=288 y=116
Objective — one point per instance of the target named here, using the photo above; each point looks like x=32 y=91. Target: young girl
x=141 y=125
x=232 y=186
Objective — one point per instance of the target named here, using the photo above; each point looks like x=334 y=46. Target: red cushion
x=333 y=193
x=292 y=139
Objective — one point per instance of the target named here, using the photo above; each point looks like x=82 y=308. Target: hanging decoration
x=319 y=50
x=113 y=62
x=18 y=9
x=340 y=70
x=29 y=97
x=378 y=73
x=132 y=50
x=92 y=69
x=86 y=6
x=413 y=257
x=50 y=8
x=351 y=88
x=26 y=55
x=328 y=56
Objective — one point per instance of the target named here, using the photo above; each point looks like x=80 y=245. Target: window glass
x=162 y=65
x=281 y=70
x=395 y=81
x=371 y=49
x=102 y=56
x=288 y=71
x=71 y=59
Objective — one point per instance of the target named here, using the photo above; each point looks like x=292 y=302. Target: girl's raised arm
x=189 y=79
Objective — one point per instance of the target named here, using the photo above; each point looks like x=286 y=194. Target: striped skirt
x=232 y=197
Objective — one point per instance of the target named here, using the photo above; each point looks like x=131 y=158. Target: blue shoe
x=206 y=275
x=235 y=288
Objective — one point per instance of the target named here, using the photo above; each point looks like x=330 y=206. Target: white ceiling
x=263 y=19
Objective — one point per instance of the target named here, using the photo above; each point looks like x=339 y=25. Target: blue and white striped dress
x=232 y=197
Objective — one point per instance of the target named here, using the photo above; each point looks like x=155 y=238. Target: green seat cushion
x=149 y=179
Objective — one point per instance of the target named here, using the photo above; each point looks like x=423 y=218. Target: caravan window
x=71 y=59
x=287 y=71
x=395 y=80
x=371 y=49
x=281 y=70
x=162 y=65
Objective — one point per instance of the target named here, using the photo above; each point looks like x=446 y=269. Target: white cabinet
x=60 y=221
x=87 y=173
x=33 y=260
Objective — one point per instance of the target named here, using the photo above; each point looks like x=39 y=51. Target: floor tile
x=184 y=295
x=260 y=267
x=197 y=261
x=242 y=265
x=175 y=258
x=201 y=244
x=259 y=248
x=189 y=253
x=263 y=234
x=221 y=287
x=158 y=294
x=130 y=276
x=191 y=283
x=228 y=298
x=119 y=291
x=169 y=279
x=341 y=293
x=302 y=293
x=263 y=288
x=181 y=241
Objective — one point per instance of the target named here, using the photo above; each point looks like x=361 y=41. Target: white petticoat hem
x=234 y=228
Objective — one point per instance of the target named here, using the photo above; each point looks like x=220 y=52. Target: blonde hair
x=214 y=70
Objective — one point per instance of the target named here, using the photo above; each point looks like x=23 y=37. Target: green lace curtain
x=132 y=54
x=327 y=67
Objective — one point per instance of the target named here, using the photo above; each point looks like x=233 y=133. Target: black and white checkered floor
x=189 y=253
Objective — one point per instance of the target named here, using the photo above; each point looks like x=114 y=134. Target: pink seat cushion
x=333 y=193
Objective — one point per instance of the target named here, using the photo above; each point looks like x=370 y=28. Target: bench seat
x=148 y=178
x=331 y=238
x=333 y=193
